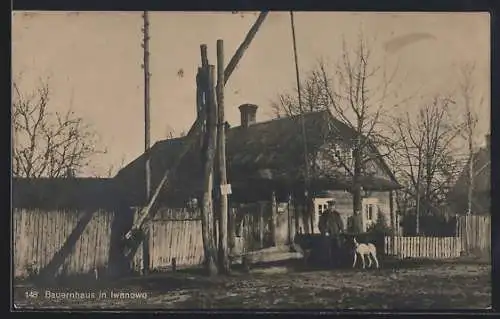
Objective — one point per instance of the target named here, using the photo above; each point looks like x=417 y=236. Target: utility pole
x=147 y=142
x=302 y=122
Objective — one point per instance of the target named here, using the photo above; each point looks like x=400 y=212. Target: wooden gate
x=174 y=234
x=475 y=234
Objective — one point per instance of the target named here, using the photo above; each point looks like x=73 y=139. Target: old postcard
x=251 y=160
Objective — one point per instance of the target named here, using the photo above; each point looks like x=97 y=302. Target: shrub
x=380 y=227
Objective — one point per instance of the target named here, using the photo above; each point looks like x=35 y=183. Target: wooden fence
x=38 y=235
x=423 y=247
x=174 y=233
x=475 y=234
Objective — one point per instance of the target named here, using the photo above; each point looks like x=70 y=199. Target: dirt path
x=433 y=286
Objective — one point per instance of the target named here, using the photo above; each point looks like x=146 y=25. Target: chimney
x=488 y=140
x=248 y=114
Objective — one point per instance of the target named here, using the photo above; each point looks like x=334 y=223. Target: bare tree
x=470 y=118
x=357 y=91
x=426 y=158
x=48 y=144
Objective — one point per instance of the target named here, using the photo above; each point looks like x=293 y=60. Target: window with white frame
x=370 y=209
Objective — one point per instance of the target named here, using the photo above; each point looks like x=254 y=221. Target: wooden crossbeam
x=243 y=46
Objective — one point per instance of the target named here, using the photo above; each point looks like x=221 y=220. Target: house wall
x=344 y=206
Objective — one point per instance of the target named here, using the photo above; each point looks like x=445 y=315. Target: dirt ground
x=421 y=286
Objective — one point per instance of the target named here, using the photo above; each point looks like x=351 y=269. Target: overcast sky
x=93 y=62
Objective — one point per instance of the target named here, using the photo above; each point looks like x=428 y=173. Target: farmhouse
x=268 y=158
x=481 y=196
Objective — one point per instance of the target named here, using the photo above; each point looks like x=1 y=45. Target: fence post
x=289 y=219
x=261 y=224
x=274 y=208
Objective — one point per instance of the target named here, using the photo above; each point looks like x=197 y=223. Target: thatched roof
x=269 y=153
x=63 y=193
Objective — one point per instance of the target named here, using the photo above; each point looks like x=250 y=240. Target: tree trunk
x=470 y=187
x=208 y=231
x=417 y=212
x=357 y=196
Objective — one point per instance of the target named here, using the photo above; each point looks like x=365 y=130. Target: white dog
x=363 y=250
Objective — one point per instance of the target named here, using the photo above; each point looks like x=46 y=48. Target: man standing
x=331 y=224
x=330 y=220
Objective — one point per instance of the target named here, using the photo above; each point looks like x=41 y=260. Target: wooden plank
x=86 y=236
x=22 y=248
x=81 y=249
x=85 y=246
x=170 y=242
x=93 y=239
x=261 y=226
x=182 y=250
x=32 y=238
x=447 y=247
x=419 y=246
x=156 y=243
x=48 y=237
x=96 y=238
x=188 y=248
x=18 y=253
x=176 y=230
x=193 y=242
x=189 y=251
x=58 y=229
x=179 y=247
x=441 y=248
x=152 y=245
x=49 y=243
x=78 y=245
x=38 y=234
x=40 y=239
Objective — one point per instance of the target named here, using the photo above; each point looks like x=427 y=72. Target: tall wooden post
x=147 y=142
x=206 y=81
x=274 y=210
x=223 y=209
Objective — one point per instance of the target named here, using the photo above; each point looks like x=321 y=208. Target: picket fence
x=422 y=247
x=38 y=235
